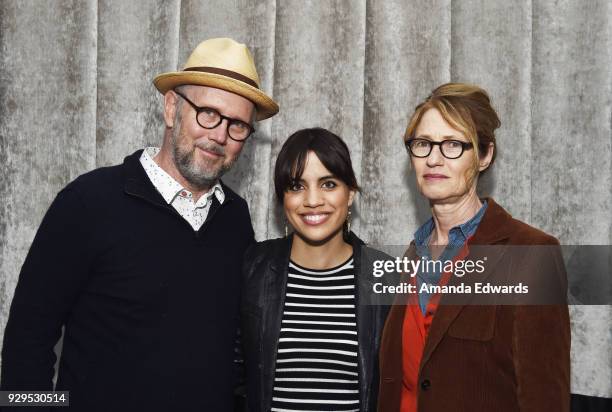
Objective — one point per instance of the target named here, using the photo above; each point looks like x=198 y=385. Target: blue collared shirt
x=457 y=237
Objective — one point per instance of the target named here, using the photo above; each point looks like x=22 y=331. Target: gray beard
x=184 y=161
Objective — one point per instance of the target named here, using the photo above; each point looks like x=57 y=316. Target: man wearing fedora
x=140 y=263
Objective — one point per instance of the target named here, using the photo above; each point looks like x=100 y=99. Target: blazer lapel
x=275 y=290
x=493 y=229
x=367 y=310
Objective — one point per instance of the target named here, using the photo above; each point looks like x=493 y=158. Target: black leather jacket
x=263 y=296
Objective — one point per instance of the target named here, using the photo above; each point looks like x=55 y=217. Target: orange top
x=414 y=336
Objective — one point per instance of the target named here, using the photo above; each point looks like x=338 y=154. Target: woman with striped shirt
x=310 y=332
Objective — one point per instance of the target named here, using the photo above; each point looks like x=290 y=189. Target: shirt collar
x=468 y=228
x=170 y=188
x=457 y=235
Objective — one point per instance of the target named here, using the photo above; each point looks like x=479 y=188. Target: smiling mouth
x=209 y=153
x=315 y=219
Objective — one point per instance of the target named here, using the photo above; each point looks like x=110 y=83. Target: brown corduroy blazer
x=487 y=358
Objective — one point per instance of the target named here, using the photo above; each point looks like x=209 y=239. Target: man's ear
x=170 y=107
x=485 y=160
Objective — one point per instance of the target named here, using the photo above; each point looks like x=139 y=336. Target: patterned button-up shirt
x=175 y=194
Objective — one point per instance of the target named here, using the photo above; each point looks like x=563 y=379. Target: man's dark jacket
x=264 y=286
x=150 y=306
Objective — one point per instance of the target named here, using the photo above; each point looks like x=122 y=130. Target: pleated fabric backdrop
x=76 y=94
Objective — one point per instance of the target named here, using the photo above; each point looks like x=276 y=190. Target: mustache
x=211 y=147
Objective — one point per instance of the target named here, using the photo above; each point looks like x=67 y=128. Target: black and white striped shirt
x=316 y=364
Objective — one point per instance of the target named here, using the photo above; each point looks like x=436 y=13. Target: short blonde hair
x=467 y=108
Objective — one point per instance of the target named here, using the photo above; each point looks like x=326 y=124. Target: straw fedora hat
x=224 y=64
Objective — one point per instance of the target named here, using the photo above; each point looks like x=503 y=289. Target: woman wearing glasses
x=460 y=357
x=310 y=333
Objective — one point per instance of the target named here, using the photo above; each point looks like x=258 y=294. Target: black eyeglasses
x=209 y=118
x=451 y=149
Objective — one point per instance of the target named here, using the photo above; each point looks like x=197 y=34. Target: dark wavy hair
x=329 y=148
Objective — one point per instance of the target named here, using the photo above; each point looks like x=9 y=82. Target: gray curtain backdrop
x=76 y=94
